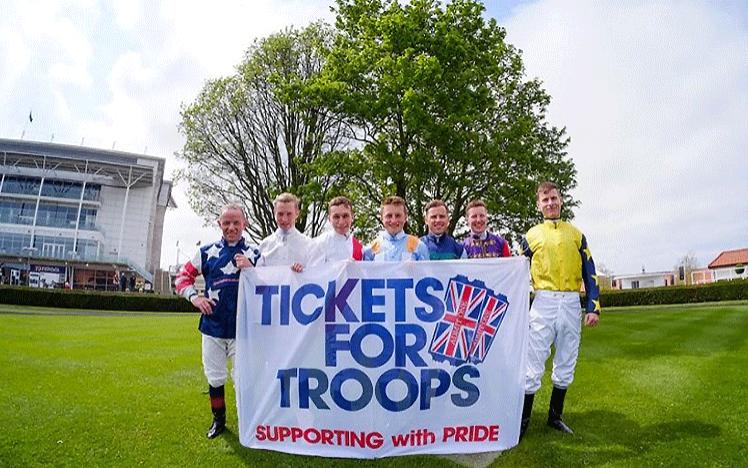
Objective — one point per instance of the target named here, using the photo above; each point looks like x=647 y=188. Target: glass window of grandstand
x=49 y=215
x=17 y=212
x=635 y=284
x=62 y=189
x=55 y=215
x=21 y=185
x=92 y=192
x=54 y=247
x=87 y=249
x=88 y=219
x=71 y=190
x=15 y=244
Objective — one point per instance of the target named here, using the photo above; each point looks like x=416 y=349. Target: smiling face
x=285 y=214
x=232 y=224
x=549 y=203
x=477 y=217
x=341 y=218
x=393 y=218
x=437 y=219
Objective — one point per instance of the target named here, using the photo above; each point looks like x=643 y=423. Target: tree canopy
x=441 y=108
x=423 y=100
x=251 y=137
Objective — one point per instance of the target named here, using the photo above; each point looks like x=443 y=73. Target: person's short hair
x=341 y=200
x=232 y=206
x=395 y=200
x=545 y=187
x=434 y=204
x=474 y=204
x=286 y=197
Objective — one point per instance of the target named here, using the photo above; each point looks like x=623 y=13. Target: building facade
x=644 y=280
x=702 y=276
x=81 y=217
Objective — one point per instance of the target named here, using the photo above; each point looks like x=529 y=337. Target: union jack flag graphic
x=471 y=319
x=488 y=325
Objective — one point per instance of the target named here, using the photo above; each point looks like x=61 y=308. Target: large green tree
x=441 y=108
x=252 y=135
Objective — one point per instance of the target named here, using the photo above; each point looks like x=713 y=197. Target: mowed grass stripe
x=104 y=384
x=654 y=386
x=115 y=391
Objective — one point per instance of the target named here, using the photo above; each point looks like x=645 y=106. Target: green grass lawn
x=654 y=386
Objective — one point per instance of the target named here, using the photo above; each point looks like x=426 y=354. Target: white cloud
x=72 y=50
x=127 y=14
x=67 y=73
x=15 y=56
x=653 y=95
x=174 y=49
x=45 y=54
x=62 y=108
x=171 y=51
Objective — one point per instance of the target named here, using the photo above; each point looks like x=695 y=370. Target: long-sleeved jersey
x=397 y=248
x=561 y=260
x=486 y=245
x=215 y=262
x=331 y=246
x=443 y=247
x=285 y=248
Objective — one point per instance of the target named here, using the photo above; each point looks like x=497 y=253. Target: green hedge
x=734 y=290
x=75 y=299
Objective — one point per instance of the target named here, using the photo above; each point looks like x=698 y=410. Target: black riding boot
x=218 y=406
x=556 y=410
x=526 y=412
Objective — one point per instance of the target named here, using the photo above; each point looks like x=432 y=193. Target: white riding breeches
x=216 y=353
x=555 y=318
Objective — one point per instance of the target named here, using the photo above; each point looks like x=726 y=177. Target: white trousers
x=216 y=353
x=555 y=318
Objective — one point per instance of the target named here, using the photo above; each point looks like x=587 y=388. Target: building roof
x=730 y=258
x=119 y=167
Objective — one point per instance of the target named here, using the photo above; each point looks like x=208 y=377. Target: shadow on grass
x=601 y=437
x=251 y=457
x=260 y=457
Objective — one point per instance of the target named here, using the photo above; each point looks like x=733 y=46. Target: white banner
x=370 y=359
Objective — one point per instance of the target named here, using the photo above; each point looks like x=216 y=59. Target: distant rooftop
x=730 y=258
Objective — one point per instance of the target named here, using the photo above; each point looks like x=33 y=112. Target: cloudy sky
x=654 y=95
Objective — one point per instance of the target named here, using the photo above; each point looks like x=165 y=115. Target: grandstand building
x=80 y=217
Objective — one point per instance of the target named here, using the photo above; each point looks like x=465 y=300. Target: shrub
x=77 y=299
x=714 y=292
